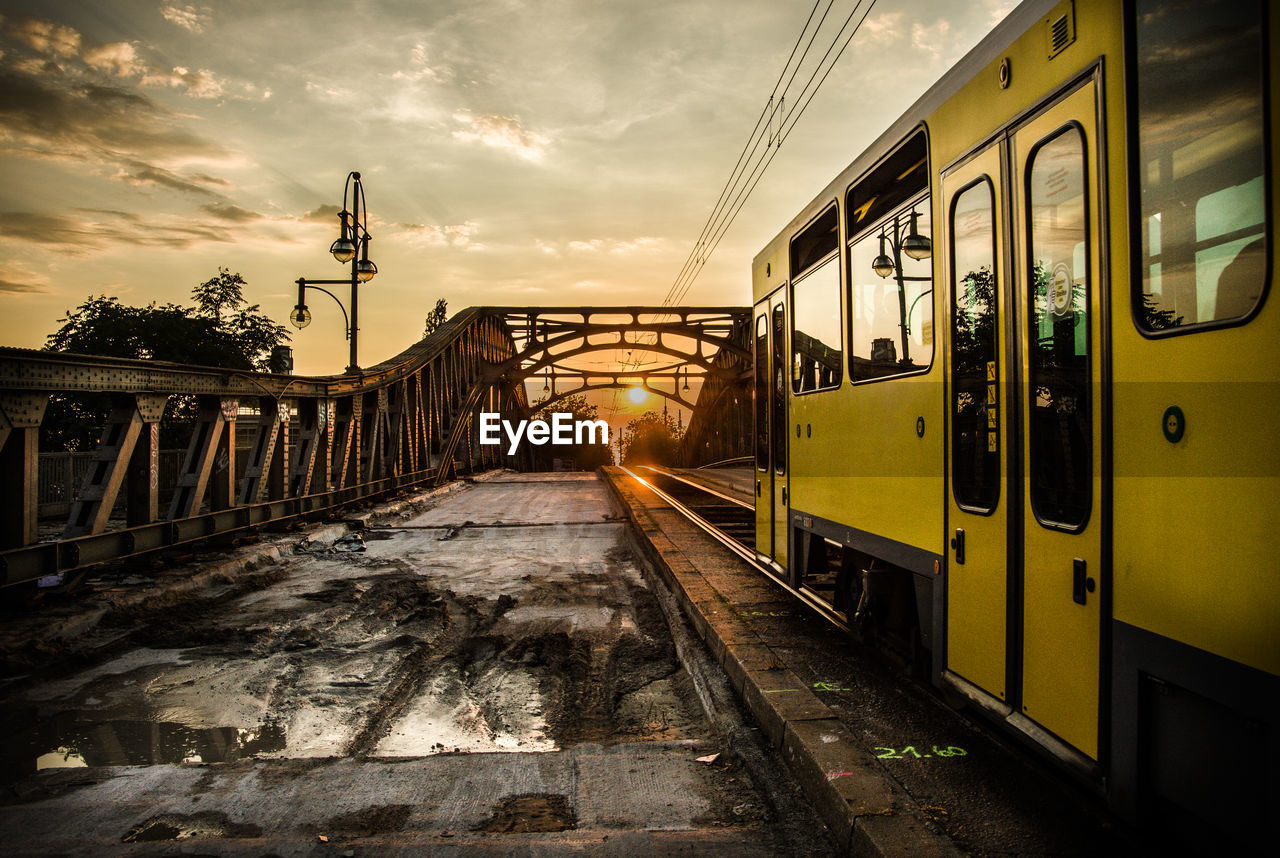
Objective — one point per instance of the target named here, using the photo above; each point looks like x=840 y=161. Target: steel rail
x=700 y=487
x=747 y=555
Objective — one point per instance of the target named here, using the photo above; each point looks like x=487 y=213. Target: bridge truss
x=319 y=443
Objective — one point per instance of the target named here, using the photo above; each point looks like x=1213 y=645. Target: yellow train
x=1017 y=397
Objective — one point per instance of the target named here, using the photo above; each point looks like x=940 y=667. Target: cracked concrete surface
x=492 y=669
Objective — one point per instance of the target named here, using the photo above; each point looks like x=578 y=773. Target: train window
x=890 y=183
x=778 y=365
x=819 y=239
x=975 y=413
x=762 y=392
x=815 y=336
x=816 y=349
x=1059 y=434
x=1201 y=232
x=891 y=310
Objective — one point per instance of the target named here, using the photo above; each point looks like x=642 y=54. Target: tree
x=219 y=330
x=225 y=290
x=436 y=317
x=651 y=438
x=586 y=457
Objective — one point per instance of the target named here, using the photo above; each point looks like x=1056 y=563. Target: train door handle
x=1081 y=583
x=784 y=494
x=957 y=542
x=757 y=488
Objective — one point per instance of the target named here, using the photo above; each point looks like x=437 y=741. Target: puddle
x=72 y=738
x=530 y=812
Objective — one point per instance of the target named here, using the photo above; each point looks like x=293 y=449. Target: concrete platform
x=836 y=712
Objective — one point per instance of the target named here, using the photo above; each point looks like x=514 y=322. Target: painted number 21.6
x=891 y=754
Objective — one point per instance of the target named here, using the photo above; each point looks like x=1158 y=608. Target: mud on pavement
x=495 y=665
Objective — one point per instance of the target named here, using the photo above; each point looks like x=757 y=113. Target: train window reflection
x=975 y=405
x=815 y=338
x=1059 y=433
x=892 y=315
x=1199 y=72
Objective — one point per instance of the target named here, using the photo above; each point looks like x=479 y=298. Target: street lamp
x=914 y=245
x=352 y=245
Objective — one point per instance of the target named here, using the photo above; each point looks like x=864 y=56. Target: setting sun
x=637 y=395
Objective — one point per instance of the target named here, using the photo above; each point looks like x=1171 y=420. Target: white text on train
x=562 y=429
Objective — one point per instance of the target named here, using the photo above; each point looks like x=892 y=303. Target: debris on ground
x=351 y=542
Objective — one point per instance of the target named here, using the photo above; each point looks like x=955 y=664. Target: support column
x=20 y=416
x=223 y=491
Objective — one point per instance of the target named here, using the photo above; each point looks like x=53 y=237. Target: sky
x=563 y=152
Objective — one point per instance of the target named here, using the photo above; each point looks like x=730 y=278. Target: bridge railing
x=319 y=442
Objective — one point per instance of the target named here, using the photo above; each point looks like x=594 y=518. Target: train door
x=978 y=374
x=770 y=340
x=1024 y=601
x=1059 y=292
x=763 y=398
x=779 y=423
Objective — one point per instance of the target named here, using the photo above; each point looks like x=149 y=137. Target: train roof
x=982 y=54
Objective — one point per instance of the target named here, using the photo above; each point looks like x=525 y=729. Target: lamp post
x=914 y=245
x=352 y=245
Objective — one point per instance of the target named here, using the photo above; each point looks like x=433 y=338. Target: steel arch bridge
x=321 y=442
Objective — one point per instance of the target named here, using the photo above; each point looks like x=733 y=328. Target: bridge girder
x=321 y=441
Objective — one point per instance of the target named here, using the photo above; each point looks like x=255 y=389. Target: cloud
x=326 y=213
x=206 y=179
x=501 y=132
x=10 y=286
x=188 y=17
x=452 y=235
x=333 y=93
x=144 y=174
x=59 y=54
x=78 y=235
x=199 y=84
x=883 y=29
x=609 y=245
x=117 y=58
x=54 y=117
x=420 y=68
x=999 y=9
x=931 y=39
x=229 y=212
x=44 y=37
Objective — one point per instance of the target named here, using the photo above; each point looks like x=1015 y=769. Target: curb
x=868 y=812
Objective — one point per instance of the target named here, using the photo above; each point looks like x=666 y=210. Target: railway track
x=729 y=521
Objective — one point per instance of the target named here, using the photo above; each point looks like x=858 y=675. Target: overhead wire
x=765 y=119
x=723 y=218
x=737 y=189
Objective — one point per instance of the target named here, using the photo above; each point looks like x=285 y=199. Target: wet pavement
x=488 y=672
